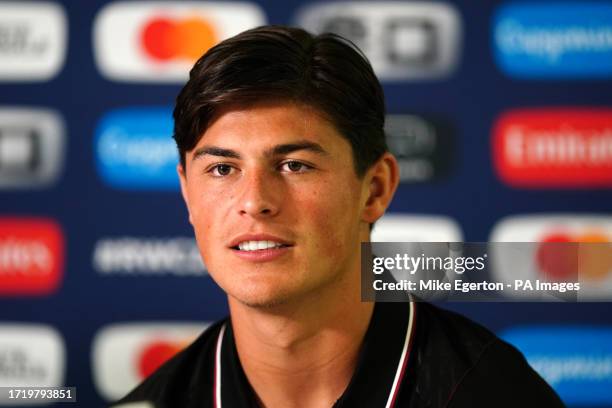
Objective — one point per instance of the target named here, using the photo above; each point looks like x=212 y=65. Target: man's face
x=275 y=203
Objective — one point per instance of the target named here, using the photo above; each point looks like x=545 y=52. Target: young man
x=284 y=169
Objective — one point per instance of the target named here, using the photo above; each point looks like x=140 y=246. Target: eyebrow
x=292 y=147
x=277 y=150
x=215 y=151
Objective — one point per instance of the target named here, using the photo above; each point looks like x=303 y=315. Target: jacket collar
x=381 y=367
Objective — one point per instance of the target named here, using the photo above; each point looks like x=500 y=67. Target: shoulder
x=462 y=364
x=176 y=380
x=502 y=377
x=446 y=335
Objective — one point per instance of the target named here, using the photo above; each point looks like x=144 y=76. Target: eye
x=221 y=170
x=293 y=166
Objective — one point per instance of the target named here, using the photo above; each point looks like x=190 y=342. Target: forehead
x=270 y=123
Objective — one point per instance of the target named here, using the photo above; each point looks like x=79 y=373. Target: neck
x=302 y=353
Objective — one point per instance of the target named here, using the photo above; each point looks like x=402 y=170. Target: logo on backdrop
x=560 y=148
x=138 y=256
x=413 y=230
x=31 y=256
x=31 y=147
x=33 y=38
x=396 y=227
x=31 y=356
x=135 y=150
x=545 y=262
x=160 y=41
x=125 y=354
x=403 y=41
x=423 y=146
x=575 y=360
x=554 y=40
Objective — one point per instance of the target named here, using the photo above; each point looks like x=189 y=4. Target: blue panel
x=576 y=361
x=135 y=150
x=554 y=40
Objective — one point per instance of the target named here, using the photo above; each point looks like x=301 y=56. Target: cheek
x=208 y=214
x=332 y=217
x=208 y=205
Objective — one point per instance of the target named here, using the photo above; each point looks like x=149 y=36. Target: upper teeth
x=256 y=245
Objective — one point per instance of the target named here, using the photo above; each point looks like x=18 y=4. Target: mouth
x=259 y=245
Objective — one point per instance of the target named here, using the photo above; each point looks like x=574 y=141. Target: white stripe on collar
x=217 y=385
x=401 y=367
x=399 y=374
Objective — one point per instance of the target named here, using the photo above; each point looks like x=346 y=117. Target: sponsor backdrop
x=499 y=111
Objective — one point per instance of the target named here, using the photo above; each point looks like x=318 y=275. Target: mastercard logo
x=123 y=355
x=164 y=39
x=158 y=41
x=155 y=354
x=562 y=255
x=554 y=247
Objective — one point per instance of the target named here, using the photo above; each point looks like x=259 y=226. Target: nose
x=260 y=195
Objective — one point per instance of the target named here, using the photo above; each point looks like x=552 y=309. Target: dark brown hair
x=278 y=63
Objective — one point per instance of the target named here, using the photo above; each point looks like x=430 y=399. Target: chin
x=261 y=299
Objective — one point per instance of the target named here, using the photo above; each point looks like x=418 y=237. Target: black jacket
x=414 y=355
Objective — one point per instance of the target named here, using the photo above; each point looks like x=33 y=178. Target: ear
x=381 y=181
x=183 y=180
